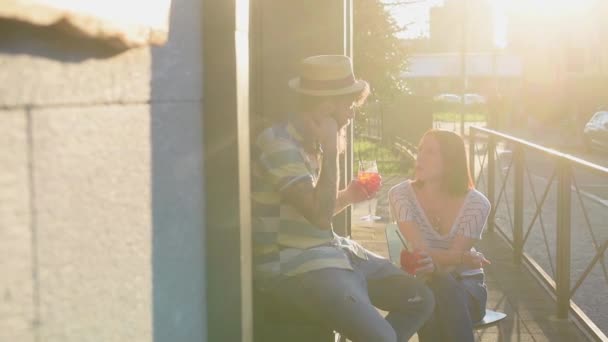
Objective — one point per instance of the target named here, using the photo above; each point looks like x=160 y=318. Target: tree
x=380 y=56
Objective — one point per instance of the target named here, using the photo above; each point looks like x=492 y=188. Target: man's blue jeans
x=346 y=300
x=459 y=303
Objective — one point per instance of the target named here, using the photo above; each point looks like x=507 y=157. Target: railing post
x=491 y=148
x=564 y=205
x=518 y=204
x=472 y=152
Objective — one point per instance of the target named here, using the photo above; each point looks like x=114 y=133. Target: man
x=298 y=258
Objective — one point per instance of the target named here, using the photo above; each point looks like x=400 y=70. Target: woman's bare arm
x=456 y=255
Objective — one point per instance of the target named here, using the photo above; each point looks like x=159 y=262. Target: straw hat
x=326 y=75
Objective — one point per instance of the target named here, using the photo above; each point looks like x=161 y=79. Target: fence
x=388 y=157
x=555 y=221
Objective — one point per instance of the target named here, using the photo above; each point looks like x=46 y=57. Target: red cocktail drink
x=370 y=180
x=409 y=261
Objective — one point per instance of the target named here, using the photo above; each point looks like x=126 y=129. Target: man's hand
x=356 y=192
x=326 y=130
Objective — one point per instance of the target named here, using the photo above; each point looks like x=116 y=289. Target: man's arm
x=343 y=201
x=318 y=203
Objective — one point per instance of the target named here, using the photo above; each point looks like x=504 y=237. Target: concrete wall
x=285 y=32
x=101 y=207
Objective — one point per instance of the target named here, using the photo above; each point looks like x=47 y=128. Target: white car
x=595 y=134
x=474 y=99
x=469 y=98
x=449 y=98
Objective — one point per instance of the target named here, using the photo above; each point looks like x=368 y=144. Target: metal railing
x=405 y=148
x=511 y=171
x=389 y=155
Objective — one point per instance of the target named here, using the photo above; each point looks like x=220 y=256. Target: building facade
x=446 y=23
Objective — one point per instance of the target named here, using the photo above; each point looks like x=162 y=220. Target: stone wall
x=101 y=206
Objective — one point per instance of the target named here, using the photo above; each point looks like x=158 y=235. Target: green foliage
x=389 y=162
x=455 y=117
x=379 y=55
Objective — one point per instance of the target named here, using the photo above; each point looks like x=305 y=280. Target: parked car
x=452 y=102
x=595 y=134
x=447 y=98
x=474 y=99
x=469 y=99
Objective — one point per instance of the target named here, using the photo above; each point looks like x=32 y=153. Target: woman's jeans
x=460 y=302
x=344 y=300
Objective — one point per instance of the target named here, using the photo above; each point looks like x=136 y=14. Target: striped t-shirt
x=470 y=222
x=284 y=241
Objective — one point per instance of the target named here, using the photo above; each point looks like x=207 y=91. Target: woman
x=442 y=215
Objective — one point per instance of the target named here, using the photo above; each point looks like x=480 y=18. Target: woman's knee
x=442 y=278
x=451 y=296
x=444 y=284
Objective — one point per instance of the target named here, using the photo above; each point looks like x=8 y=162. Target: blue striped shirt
x=284 y=241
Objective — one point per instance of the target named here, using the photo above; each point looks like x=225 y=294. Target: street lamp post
x=463 y=64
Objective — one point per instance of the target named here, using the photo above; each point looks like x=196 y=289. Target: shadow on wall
x=177 y=188
x=51 y=43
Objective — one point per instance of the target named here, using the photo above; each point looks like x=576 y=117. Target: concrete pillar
x=284 y=32
x=226 y=150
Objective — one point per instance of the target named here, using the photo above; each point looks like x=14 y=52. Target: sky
x=416 y=15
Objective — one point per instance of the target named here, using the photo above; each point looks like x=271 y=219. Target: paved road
x=594 y=184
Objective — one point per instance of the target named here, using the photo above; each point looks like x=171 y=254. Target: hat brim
x=356 y=87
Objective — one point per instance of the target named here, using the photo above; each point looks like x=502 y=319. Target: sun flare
x=549 y=8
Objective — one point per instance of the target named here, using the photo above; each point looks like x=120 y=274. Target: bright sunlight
x=548 y=8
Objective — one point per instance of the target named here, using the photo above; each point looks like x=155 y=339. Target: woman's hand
x=474 y=259
x=425 y=263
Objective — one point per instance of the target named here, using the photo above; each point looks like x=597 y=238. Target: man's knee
x=382 y=334
x=372 y=329
x=422 y=299
x=428 y=301
x=418 y=294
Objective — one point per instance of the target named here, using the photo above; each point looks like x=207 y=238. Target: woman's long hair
x=456 y=179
